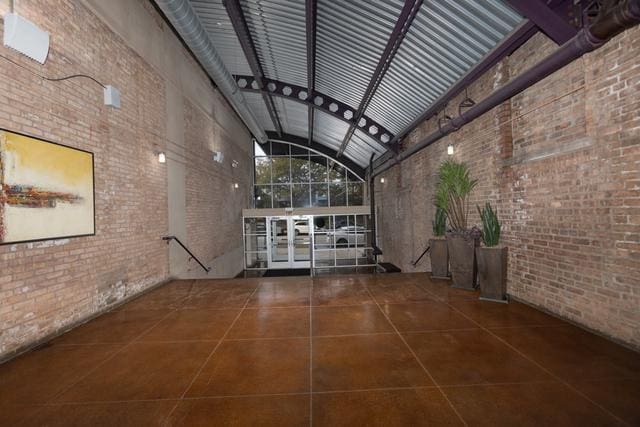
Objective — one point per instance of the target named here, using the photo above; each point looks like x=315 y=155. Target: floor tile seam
x=284 y=307
x=115 y=353
x=538 y=326
x=540 y=366
x=311 y=354
x=199 y=371
x=257 y=395
x=415 y=356
x=169 y=399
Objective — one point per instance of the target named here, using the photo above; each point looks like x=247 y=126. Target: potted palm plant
x=492 y=258
x=438 y=244
x=452 y=196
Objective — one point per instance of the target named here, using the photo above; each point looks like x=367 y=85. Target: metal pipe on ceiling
x=184 y=20
x=612 y=19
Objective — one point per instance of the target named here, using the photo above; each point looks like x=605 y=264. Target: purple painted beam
x=319 y=101
x=407 y=15
x=311 y=12
x=550 y=22
x=612 y=19
x=513 y=41
x=239 y=22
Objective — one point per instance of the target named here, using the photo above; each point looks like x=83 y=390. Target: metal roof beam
x=549 y=21
x=311 y=13
x=356 y=169
x=407 y=15
x=319 y=101
x=239 y=22
x=505 y=48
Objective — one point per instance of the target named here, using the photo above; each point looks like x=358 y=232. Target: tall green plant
x=440 y=222
x=490 y=225
x=452 y=192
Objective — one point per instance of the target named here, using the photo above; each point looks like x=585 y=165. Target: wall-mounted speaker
x=25 y=37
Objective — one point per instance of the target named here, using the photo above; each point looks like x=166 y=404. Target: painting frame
x=93 y=191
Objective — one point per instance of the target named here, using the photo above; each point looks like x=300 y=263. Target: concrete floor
x=390 y=349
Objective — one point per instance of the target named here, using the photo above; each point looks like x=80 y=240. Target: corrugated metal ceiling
x=446 y=39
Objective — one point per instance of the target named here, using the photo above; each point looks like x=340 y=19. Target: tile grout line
x=311 y=354
x=522 y=354
x=242 y=396
x=95 y=368
x=199 y=371
x=415 y=356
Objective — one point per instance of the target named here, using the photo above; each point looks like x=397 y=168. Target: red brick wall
x=46 y=286
x=561 y=161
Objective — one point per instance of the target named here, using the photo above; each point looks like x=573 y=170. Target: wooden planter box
x=492 y=273
x=439 y=258
x=462 y=260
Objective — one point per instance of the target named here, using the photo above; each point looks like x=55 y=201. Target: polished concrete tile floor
x=390 y=349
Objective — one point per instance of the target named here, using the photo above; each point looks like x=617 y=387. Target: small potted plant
x=492 y=258
x=438 y=244
x=452 y=196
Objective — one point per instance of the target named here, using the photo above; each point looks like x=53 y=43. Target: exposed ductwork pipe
x=614 y=17
x=186 y=22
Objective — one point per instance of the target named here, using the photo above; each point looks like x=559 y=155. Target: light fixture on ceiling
x=236 y=185
x=450 y=149
x=162 y=158
x=381 y=180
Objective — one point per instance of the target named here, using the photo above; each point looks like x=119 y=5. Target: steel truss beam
x=239 y=22
x=513 y=41
x=311 y=11
x=322 y=149
x=318 y=101
x=553 y=24
x=407 y=15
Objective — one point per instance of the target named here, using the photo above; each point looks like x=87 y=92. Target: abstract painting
x=46 y=190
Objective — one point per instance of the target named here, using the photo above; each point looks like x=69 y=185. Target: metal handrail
x=420 y=257
x=170 y=238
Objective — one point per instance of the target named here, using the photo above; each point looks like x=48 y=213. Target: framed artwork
x=46 y=190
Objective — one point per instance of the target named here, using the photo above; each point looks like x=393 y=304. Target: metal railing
x=170 y=238
x=414 y=263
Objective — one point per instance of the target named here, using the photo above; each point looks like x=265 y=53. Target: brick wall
x=214 y=218
x=561 y=161
x=47 y=286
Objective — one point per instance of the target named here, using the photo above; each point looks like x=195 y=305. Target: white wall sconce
x=450 y=149
x=236 y=185
x=381 y=180
x=162 y=158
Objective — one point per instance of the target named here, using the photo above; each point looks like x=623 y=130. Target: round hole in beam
x=254 y=85
x=373 y=129
x=302 y=95
x=242 y=83
x=318 y=100
x=348 y=114
x=385 y=138
x=287 y=90
x=333 y=107
x=362 y=123
x=271 y=86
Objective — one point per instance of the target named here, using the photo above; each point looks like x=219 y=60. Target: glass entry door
x=289 y=242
